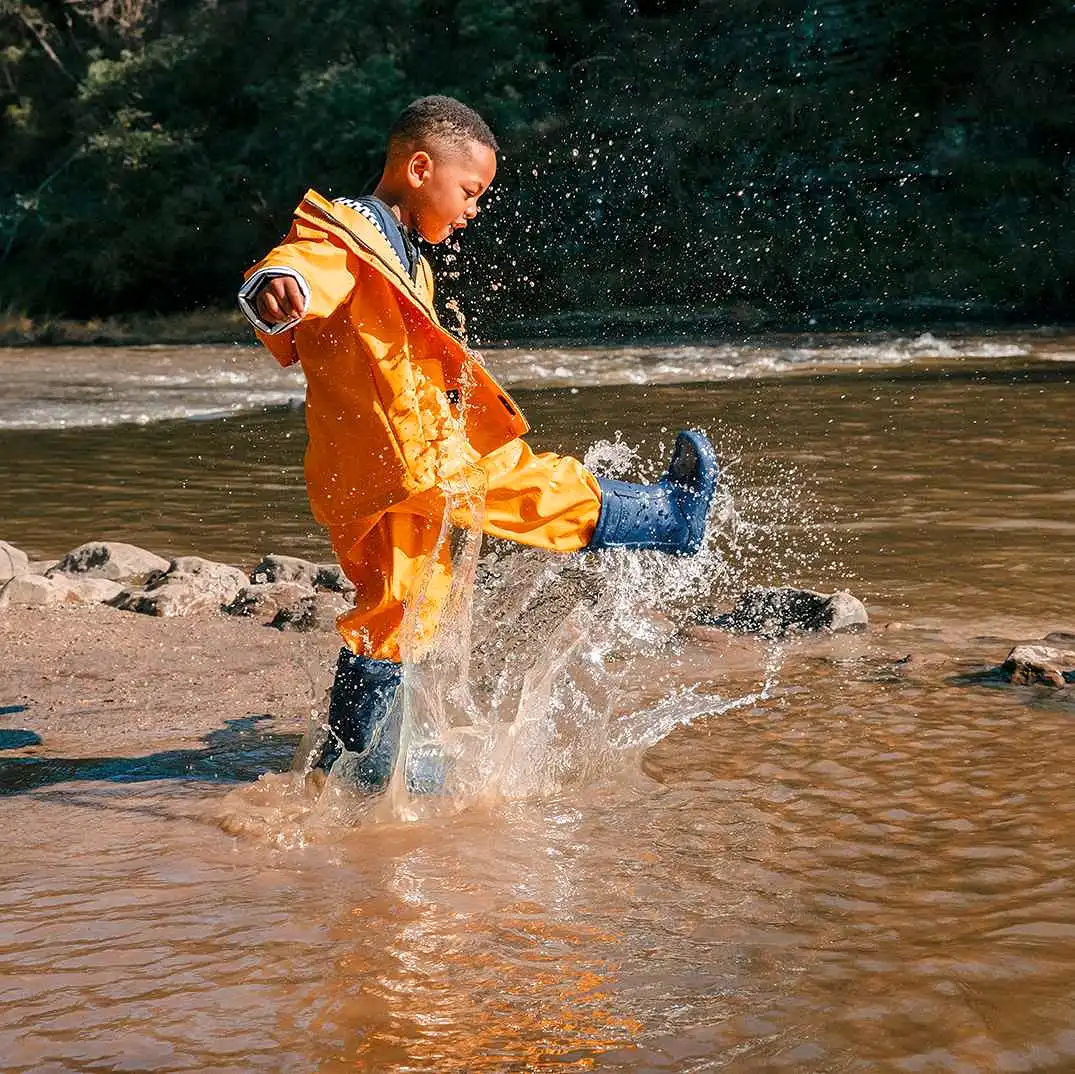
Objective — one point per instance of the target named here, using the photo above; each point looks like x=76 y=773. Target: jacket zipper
x=411 y=293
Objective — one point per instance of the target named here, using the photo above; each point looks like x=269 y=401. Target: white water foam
x=63 y=388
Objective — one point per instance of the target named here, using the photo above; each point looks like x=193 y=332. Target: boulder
x=1039 y=665
x=778 y=612
x=41 y=566
x=37 y=591
x=113 y=560
x=13 y=561
x=191 y=585
x=315 y=612
x=274 y=568
x=265 y=600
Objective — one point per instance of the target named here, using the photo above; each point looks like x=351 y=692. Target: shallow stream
x=840 y=856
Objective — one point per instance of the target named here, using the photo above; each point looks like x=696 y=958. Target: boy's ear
x=419 y=168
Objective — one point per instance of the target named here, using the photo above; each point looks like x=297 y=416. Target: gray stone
x=113 y=560
x=41 y=566
x=330 y=576
x=190 y=586
x=265 y=600
x=274 y=568
x=316 y=612
x=1039 y=665
x=37 y=591
x=778 y=612
x=93 y=590
x=13 y=561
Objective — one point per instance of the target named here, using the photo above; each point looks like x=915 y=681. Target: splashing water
x=546 y=671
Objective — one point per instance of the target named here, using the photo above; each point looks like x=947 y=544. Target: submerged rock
x=1063 y=638
x=778 y=612
x=191 y=585
x=13 y=561
x=1039 y=665
x=113 y=560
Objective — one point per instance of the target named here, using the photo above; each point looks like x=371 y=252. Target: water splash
x=546 y=672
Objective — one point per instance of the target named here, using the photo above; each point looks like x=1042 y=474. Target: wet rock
x=778 y=612
x=113 y=560
x=265 y=600
x=315 y=612
x=1039 y=665
x=276 y=568
x=1064 y=638
x=13 y=561
x=190 y=586
x=37 y=591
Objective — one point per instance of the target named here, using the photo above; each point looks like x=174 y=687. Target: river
x=838 y=855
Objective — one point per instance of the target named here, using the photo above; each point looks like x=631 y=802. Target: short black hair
x=442 y=118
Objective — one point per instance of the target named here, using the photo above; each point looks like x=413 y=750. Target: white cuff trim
x=250 y=289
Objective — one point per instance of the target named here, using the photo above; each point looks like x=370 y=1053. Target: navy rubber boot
x=363 y=719
x=669 y=516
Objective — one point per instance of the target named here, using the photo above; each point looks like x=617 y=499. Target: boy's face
x=446 y=183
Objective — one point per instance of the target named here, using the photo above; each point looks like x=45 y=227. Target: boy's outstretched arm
x=306 y=276
x=278 y=300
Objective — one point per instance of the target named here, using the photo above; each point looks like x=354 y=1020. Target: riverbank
x=87 y=683
x=132 y=330
x=643 y=325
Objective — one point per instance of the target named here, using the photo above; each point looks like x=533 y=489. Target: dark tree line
x=764 y=154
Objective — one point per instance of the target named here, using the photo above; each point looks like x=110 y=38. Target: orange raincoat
x=386 y=433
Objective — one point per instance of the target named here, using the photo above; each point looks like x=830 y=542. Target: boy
x=399 y=413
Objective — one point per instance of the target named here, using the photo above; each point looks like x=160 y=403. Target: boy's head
x=441 y=158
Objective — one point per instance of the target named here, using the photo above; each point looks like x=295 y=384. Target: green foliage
x=788 y=156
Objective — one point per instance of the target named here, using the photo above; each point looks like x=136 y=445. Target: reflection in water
x=450 y=976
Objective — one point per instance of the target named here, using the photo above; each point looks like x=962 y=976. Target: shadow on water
x=17 y=739
x=238 y=752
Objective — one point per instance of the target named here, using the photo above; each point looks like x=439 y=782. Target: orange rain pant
x=546 y=501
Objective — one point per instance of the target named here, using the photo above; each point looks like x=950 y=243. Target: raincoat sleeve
x=322 y=269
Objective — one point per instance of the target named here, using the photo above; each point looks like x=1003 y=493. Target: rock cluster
x=283 y=591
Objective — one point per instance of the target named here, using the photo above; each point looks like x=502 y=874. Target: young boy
x=398 y=411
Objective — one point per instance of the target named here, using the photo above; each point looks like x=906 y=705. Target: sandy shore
x=91 y=681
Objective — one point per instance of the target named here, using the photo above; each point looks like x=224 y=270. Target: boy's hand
x=280 y=299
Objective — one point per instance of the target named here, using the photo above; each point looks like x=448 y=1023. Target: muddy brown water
x=869 y=870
